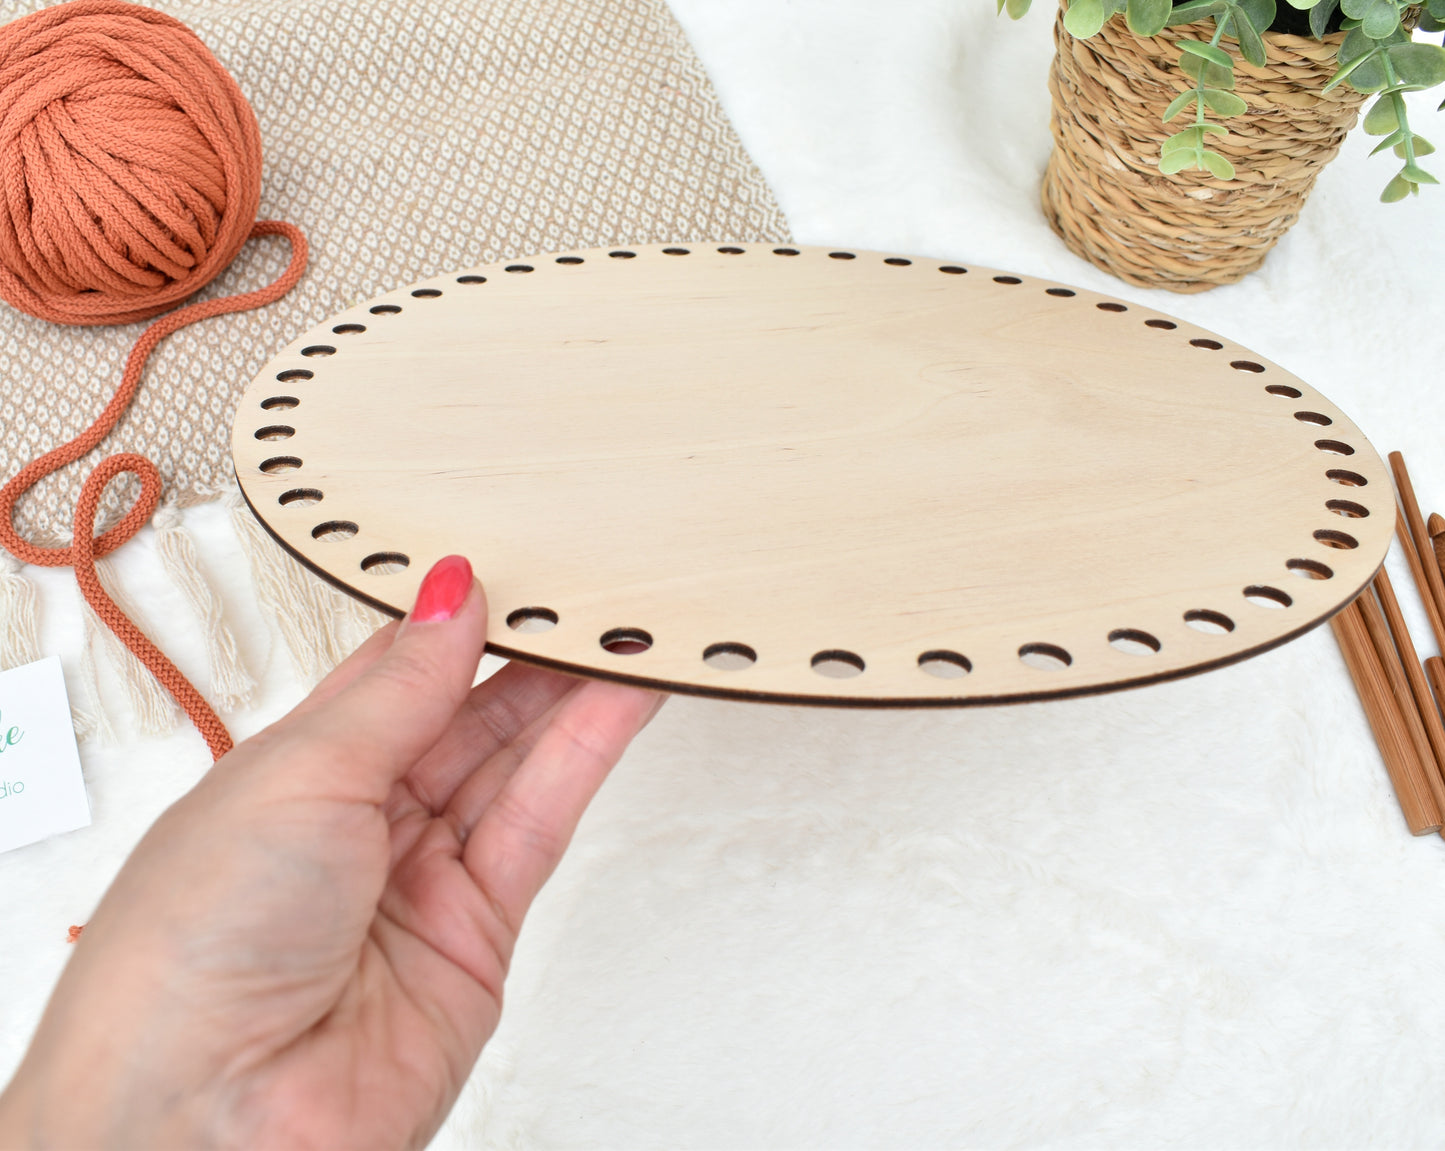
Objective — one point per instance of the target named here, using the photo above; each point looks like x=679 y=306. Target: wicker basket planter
x=1103 y=191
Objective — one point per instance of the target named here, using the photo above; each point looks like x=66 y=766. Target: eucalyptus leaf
x=1179 y=103
x=1428 y=23
x=1208 y=52
x=1304 y=5
x=1178 y=161
x=1251 y=47
x=1356 y=9
x=1213 y=129
x=1354 y=45
x=1195 y=10
x=1396 y=189
x=1188 y=140
x=1381 y=119
x=1417 y=175
x=1423 y=147
x=1418 y=65
x=1219 y=167
x=1084 y=18
x=1320 y=17
x=1210 y=75
x=1260 y=12
x=1223 y=103
x=1436 y=8
x=1380 y=20
x=1017 y=9
x=1389 y=141
x=1147 y=17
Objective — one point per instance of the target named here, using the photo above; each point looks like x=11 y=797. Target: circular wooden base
x=815 y=475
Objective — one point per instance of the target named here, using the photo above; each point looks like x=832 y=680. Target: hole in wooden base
x=295 y=374
x=838 y=664
x=471 y=279
x=1162 y=325
x=387 y=309
x=532 y=620
x=569 y=260
x=1333 y=539
x=1347 y=479
x=275 y=432
x=1209 y=622
x=952 y=269
x=729 y=656
x=1045 y=656
x=785 y=251
x=676 y=251
x=945 y=664
x=623 y=255
x=1062 y=293
x=841 y=256
x=299 y=497
x=1262 y=595
x=427 y=293
x=1335 y=447
x=1348 y=508
x=278 y=464
x=898 y=261
x=729 y=250
x=1132 y=641
x=280 y=403
x=318 y=350
x=1284 y=390
x=1319 y=419
x=1310 y=569
x=1246 y=366
x=334 y=531
x=1110 y=306
x=1201 y=342
x=348 y=330
x=520 y=269
x=1007 y=280
x=385 y=563
x=626 y=640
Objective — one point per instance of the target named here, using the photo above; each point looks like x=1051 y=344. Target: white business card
x=42 y=792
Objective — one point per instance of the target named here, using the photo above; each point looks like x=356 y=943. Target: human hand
x=309 y=947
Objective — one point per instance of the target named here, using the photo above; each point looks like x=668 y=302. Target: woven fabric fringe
x=19 y=625
x=231 y=683
x=319 y=625
x=154 y=710
x=1103 y=192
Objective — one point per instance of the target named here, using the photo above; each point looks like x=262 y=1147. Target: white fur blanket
x=1188 y=915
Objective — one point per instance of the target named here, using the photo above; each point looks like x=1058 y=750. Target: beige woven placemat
x=405 y=139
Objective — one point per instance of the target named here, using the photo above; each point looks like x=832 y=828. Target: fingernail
x=444 y=590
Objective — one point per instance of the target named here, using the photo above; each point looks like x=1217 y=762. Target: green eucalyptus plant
x=1377 y=55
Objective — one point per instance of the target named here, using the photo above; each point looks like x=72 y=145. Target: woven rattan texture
x=404 y=139
x=1103 y=191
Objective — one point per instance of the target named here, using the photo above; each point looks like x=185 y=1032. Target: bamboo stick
x=1435 y=525
x=1435 y=673
x=1424 y=758
x=1417 y=571
x=1433 y=588
x=1396 y=747
x=1404 y=653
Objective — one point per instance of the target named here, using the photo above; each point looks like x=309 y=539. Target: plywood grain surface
x=816 y=475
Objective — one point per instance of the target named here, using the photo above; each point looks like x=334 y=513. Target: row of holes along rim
x=832 y=663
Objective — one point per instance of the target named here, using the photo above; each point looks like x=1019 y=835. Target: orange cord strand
x=86 y=547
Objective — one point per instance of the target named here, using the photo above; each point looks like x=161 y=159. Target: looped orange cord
x=130 y=174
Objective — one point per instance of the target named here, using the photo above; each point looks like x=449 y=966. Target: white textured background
x=1188 y=915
